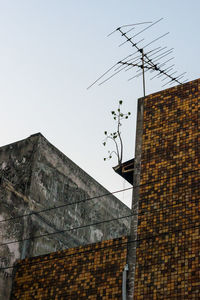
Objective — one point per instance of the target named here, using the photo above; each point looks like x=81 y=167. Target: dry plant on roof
x=116 y=137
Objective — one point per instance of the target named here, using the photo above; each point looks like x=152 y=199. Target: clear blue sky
x=50 y=51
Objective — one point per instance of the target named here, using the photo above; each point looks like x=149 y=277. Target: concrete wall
x=35 y=176
x=131 y=256
x=15 y=174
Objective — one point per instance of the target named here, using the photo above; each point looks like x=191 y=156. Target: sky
x=51 y=51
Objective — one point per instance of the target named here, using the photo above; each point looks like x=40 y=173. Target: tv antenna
x=152 y=60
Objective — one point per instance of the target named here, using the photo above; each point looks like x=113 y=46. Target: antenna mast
x=144 y=61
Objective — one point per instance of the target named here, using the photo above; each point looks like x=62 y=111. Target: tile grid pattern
x=87 y=272
x=168 y=251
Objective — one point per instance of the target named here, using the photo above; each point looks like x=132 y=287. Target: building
x=35 y=176
x=164 y=262
x=163 y=248
x=168 y=233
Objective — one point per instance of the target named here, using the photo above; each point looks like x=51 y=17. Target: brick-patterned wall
x=168 y=250
x=87 y=272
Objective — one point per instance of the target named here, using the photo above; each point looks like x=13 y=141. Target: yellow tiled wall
x=87 y=272
x=168 y=251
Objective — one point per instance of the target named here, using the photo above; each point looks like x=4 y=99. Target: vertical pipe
x=124 y=278
x=142 y=51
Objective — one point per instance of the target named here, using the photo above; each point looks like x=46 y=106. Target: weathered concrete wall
x=15 y=174
x=35 y=176
x=131 y=255
x=72 y=184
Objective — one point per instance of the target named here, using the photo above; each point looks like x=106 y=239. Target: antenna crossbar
x=145 y=61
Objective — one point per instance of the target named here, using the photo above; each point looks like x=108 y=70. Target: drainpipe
x=124 y=277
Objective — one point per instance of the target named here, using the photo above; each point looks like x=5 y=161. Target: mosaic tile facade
x=168 y=249
x=87 y=272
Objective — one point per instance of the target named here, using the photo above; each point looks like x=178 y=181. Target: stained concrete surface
x=34 y=175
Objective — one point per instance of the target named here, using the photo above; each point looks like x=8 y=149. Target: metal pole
x=124 y=279
x=142 y=51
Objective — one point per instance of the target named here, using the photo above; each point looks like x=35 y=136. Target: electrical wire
x=96 y=249
x=64 y=205
x=97 y=197
x=97 y=223
x=65 y=230
x=72 y=229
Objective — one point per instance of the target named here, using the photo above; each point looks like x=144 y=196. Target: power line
x=95 y=197
x=65 y=230
x=92 y=224
x=64 y=205
x=101 y=248
x=69 y=229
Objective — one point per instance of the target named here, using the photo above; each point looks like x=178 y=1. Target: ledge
x=126 y=170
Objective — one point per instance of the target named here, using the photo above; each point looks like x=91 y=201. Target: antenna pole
x=142 y=51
